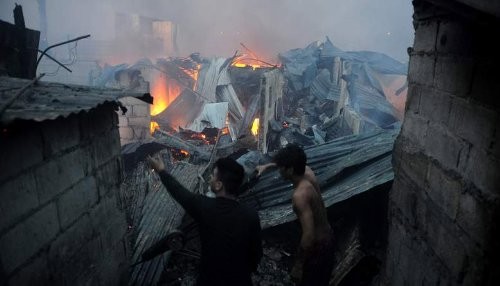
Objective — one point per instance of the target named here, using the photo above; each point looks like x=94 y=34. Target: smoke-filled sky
x=216 y=27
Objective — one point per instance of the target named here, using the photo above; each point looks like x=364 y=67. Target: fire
x=225 y=131
x=193 y=73
x=164 y=91
x=246 y=63
x=153 y=126
x=185 y=153
x=255 y=127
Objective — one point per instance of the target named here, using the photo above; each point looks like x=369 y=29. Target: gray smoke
x=217 y=27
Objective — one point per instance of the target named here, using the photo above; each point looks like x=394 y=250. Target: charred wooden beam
x=174 y=142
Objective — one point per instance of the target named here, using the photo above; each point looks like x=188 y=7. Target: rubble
x=334 y=103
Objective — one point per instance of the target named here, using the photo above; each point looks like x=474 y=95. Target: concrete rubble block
x=435 y=106
x=483 y=171
x=17 y=198
x=60 y=134
x=77 y=200
x=444 y=190
x=474 y=123
x=452 y=152
x=58 y=174
x=28 y=237
x=421 y=70
x=20 y=149
x=454 y=75
x=34 y=273
x=67 y=245
x=425 y=37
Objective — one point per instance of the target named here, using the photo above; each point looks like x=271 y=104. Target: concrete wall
x=58 y=183
x=135 y=124
x=445 y=201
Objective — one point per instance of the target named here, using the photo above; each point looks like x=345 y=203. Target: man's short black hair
x=230 y=173
x=291 y=156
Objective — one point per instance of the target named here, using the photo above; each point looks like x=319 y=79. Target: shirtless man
x=314 y=259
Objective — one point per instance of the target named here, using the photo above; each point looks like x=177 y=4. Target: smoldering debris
x=338 y=105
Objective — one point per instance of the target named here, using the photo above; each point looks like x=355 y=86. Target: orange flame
x=164 y=91
x=255 y=127
x=153 y=126
x=250 y=61
x=184 y=152
x=193 y=73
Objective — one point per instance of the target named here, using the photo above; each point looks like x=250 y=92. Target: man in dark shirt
x=230 y=233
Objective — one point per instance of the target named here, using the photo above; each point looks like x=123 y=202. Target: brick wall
x=444 y=205
x=58 y=184
x=135 y=124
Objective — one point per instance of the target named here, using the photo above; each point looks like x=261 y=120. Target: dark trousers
x=318 y=267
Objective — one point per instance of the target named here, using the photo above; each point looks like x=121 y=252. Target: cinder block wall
x=135 y=124
x=60 y=222
x=444 y=205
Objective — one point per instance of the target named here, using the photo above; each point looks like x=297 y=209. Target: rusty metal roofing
x=344 y=167
x=46 y=100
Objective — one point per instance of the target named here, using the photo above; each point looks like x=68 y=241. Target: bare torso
x=307 y=192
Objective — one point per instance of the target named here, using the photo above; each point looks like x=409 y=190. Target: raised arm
x=262 y=168
x=182 y=195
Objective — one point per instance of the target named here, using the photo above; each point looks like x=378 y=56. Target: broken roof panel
x=212 y=115
x=46 y=101
x=344 y=167
x=323 y=88
x=208 y=78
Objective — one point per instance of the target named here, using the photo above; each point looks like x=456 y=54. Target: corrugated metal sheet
x=46 y=100
x=215 y=113
x=344 y=168
x=159 y=215
x=323 y=88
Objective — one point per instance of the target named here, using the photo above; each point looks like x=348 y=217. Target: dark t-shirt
x=230 y=235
